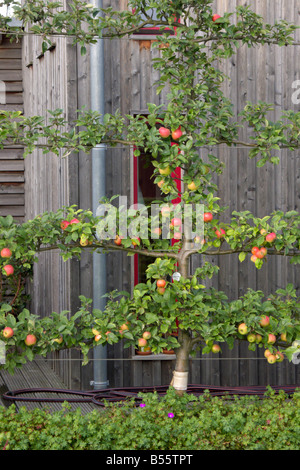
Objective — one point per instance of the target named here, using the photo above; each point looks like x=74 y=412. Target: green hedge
x=271 y=422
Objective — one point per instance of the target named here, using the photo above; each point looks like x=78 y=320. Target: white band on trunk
x=180 y=380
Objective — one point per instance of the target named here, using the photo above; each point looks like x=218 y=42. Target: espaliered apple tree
x=196 y=114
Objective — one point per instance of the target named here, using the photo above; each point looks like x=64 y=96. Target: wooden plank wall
x=263 y=73
x=57 y=79
x=12 y=176
x=60 y=78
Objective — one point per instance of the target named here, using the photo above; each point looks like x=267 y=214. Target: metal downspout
x=98 y=191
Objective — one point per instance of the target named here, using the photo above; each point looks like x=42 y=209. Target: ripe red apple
x=271 y=237
x=177 y=134
x=160 y=183
x=177 y=235
x=267 y=353
x=166 y=171
x=207 y=216
x=215 y=348
x=6 y=253
x=255 y=250
x=164 y=132
x=160 y=283
x=261 y=253
x=142 y=342
x=8 y=332
x=146 y=335
x=118 y=240
x=136 y=241
x=279 y=356
x=220 y=233
x=30 y=340
x=165 y=211
x=97 y=337
x=161 y=290
x=243 y=329
x=156 y=231
x=271 y=359
x=64 y=224
x=264 y=321
x=74 y=221
x=271 y=338
x=176 y=222
x=215 y=17
x=9 y=270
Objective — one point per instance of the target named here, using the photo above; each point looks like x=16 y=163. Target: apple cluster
x=8 y=269
x=271 y=355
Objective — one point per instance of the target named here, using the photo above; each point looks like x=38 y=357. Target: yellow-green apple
x=253 y=258
x=84 y=241
x=267 y=353
x=166 y=171
x=9 y=270
x=283 y=337
x=207 y=216
x=258 y=338
x=177 y=133
x=8 y=332
x=263 y=231
x=95 y=331
x=30 y=340
x=271 y=237
x=160 y=283
x=251 y=337
x=58 y=340
x=264 y=321
x=146 y=335
x=6 y=253
x=192 y=186
x=164 y=132
x=271 y=338
x=243 y=329
x=215 y=348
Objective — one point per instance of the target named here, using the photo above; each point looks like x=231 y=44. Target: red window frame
x=155 y=30
x=177 y=175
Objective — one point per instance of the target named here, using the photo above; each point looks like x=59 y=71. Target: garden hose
x=109 y=395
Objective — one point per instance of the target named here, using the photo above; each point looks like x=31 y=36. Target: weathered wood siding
x=12 y=176
x=60 y=78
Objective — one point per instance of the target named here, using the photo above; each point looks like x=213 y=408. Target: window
x=150 y=30
x=144 y=192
